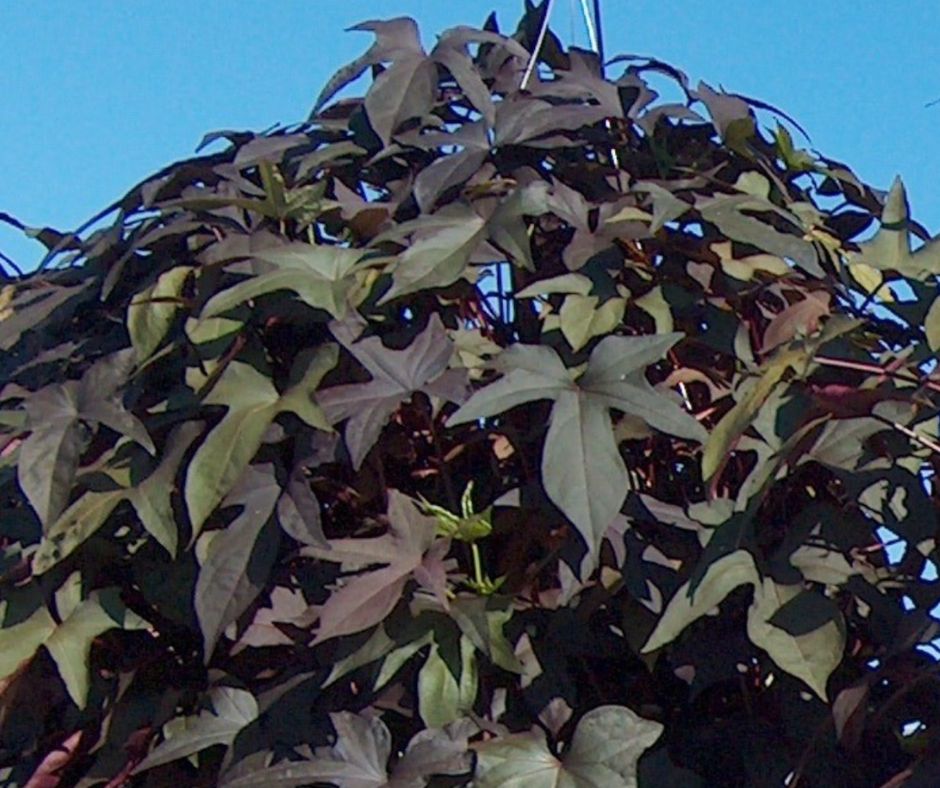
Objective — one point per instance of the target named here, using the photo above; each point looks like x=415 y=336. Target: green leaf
x=230 y=710
x=581 y=318
x=604 y=751
x=721 y=578
x=484 y=628
x=396 y=376
x=439 y=256
x=70 y=644
x=251 y=400
x=321 y=275
x=151 y=313
x=152 y=498
x=19 y=642
x=727 y=213
x=57 y=416
x=252 y=403
x=811 y=657
x=357 y=760
x=376 y=647
x=442 y=696
x=932 y=325
x=615 y=377
x=404 y=90
x=890 y=249
x=224 y=588
x=582 y=469
x=530 y=372
x=76 y=524
x=733 y=424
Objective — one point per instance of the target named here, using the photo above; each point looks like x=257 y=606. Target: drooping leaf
x=393 y=38
x=228 y=710
x=224 y=588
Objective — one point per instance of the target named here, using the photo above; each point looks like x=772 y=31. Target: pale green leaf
x=733 y=424
x=811 y=657
x=604 y=751
x=252 y=403
x=152 y=497
x=70 y=644
x=441 y=698
x=75 y=525
x=657 y=307
x=581 y=318
x=223 y=589
x=377 y=646
x=564 y=283
x=320 y=275
x=721 y=578
x=612 y=737
x=231 y=709
x=152 y=311
x=890 y=249
x=19 y=642
x=439 y=257
x=932 y=325
x=394 y=661
x=582 y=469
x=733 y=216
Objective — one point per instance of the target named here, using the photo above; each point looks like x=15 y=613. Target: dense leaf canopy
x=480 y=430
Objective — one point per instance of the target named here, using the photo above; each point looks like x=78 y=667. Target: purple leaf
x=396 y=375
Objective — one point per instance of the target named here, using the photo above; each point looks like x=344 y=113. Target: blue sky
x=100 y=93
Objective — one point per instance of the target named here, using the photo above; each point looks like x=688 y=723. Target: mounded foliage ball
x=507 y=425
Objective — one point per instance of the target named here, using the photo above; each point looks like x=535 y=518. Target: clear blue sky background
x=97 y=94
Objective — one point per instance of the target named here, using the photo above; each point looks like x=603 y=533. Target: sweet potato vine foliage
x=477 y=433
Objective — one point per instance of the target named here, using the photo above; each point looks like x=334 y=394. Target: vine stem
x=534 y=57
x=859 y=366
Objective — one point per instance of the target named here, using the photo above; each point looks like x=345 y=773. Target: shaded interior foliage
x=477 y=432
